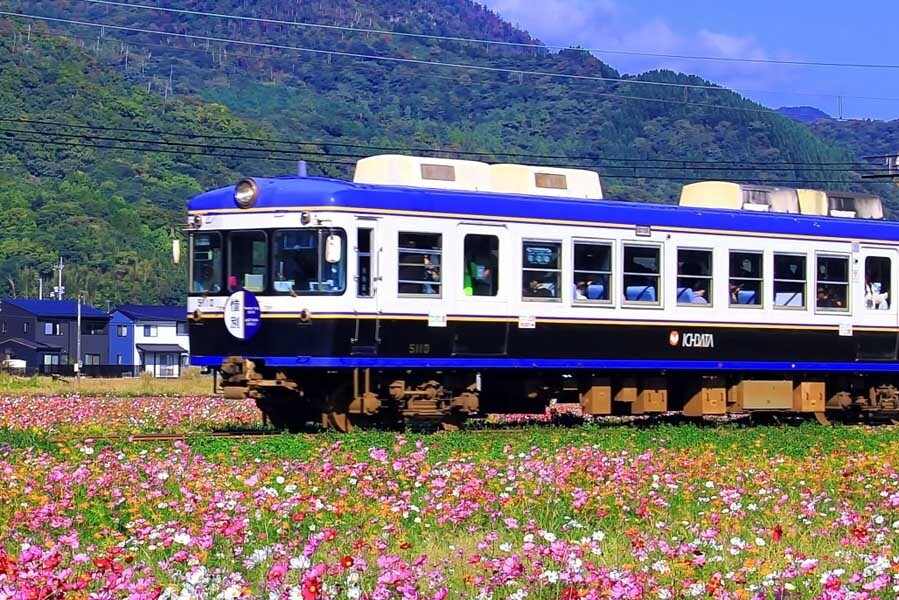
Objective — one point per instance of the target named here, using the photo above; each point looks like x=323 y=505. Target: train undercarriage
x=344 y=400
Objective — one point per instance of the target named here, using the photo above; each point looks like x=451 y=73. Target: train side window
x=541 y=270
x=480 y=260
x=592 y=272
x=247 y=260
x=745 y=283
x=206 y=263
x=694 y=277
x=642 y=274
x=877 y=282
x=363 y=263
x=789 y=281
x=420 y=272
x=832 y=283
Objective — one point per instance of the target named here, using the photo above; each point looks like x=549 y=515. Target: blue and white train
x=429 y=290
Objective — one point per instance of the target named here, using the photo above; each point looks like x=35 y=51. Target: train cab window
x=481 y=261
x=541 y=272
x=877 y=283
x=302 y=265
x=206 y=263
x=745 y=283
x=789 y=281
x=420 y=271
x=592 y=272
x=832 y=283
x=694 y=277
x=247 y=257
x=363 y=263
x=642 y=274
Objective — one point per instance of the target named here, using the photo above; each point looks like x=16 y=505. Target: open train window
x=481 y=262
x=745 y=282
x=206 y=263
x=593 y=272
x=789 y=281
x=694 y=277
x=877 y=282
x=301 y=264
x=832 y=283
x=642 y=274
x=541 y=270
x=247 y=260
x=419 y=266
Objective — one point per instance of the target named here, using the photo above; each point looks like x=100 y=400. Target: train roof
x=315 y=193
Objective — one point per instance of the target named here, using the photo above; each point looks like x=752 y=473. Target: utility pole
x=40 y=287
x=78 y=341
x=59 y=290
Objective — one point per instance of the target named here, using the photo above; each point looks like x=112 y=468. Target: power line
x=300 y=154
x=531 y=45
x=141 y=131
x=678 y=102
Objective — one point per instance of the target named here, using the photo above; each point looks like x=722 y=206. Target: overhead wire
x=142 y=131
x=529 y=45
x=599 y=163
x=415 y=61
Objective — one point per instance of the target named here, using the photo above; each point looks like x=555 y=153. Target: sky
x=861 y=32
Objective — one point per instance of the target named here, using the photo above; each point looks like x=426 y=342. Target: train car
x=395 y=304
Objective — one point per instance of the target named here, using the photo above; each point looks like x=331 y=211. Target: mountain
x=804 y=114
x=862 y=137
x=328 y=82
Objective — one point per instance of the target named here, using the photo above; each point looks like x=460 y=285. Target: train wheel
x=286 y=411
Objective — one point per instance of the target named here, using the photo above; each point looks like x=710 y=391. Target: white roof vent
x=545 y=181
x=417 y=171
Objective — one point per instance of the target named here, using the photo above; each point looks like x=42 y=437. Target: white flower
x=696 y=589
x=550 y=576
x=300 y=563
x=87 y=450
x=598 y=536
x=232 y=592
x=182 y=538
x=505 y=547
x=279 y=480
x=162 y=475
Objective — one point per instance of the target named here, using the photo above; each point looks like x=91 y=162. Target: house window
x=92 y=359
x=51 y=328
x=745 y=278
x=118 y=359
x=181 y=328
x=419 y=267
x=832 y=283
x=3 y=327
x=122 y=330
x=541 y=273
x=25 y=327
x=592 y=272
x=92 y=328
x=150 y=331
x=694 y=277
x=481 y=261
x=51 y=359
x=789 y=281
x=642 y=274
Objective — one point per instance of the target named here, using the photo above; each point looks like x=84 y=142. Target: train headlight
x=245 y=193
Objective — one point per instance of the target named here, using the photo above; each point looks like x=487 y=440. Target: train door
x=877 y=310
x=482 y=290
x=365 y=338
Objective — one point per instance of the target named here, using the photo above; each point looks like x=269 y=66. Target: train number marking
x=419 y=348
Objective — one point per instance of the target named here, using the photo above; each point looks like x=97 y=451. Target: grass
x=188 y=385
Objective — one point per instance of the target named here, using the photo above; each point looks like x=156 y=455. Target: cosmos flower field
x=543 y=512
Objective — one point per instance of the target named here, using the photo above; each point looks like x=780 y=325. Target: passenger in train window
x=829 y=298
x=207 y=281
x=481 y=258
x=431 y=273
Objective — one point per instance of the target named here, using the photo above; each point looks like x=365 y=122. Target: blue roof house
x=44 y=333
x=153 y=338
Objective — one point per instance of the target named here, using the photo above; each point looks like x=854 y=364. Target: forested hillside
x=350 y=93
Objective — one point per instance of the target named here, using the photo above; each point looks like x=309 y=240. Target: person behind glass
x=479 y=268
x=431 y=273
x=207 y=282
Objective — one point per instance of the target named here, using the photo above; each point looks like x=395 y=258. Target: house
x=153 y=338
x=44 y=333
